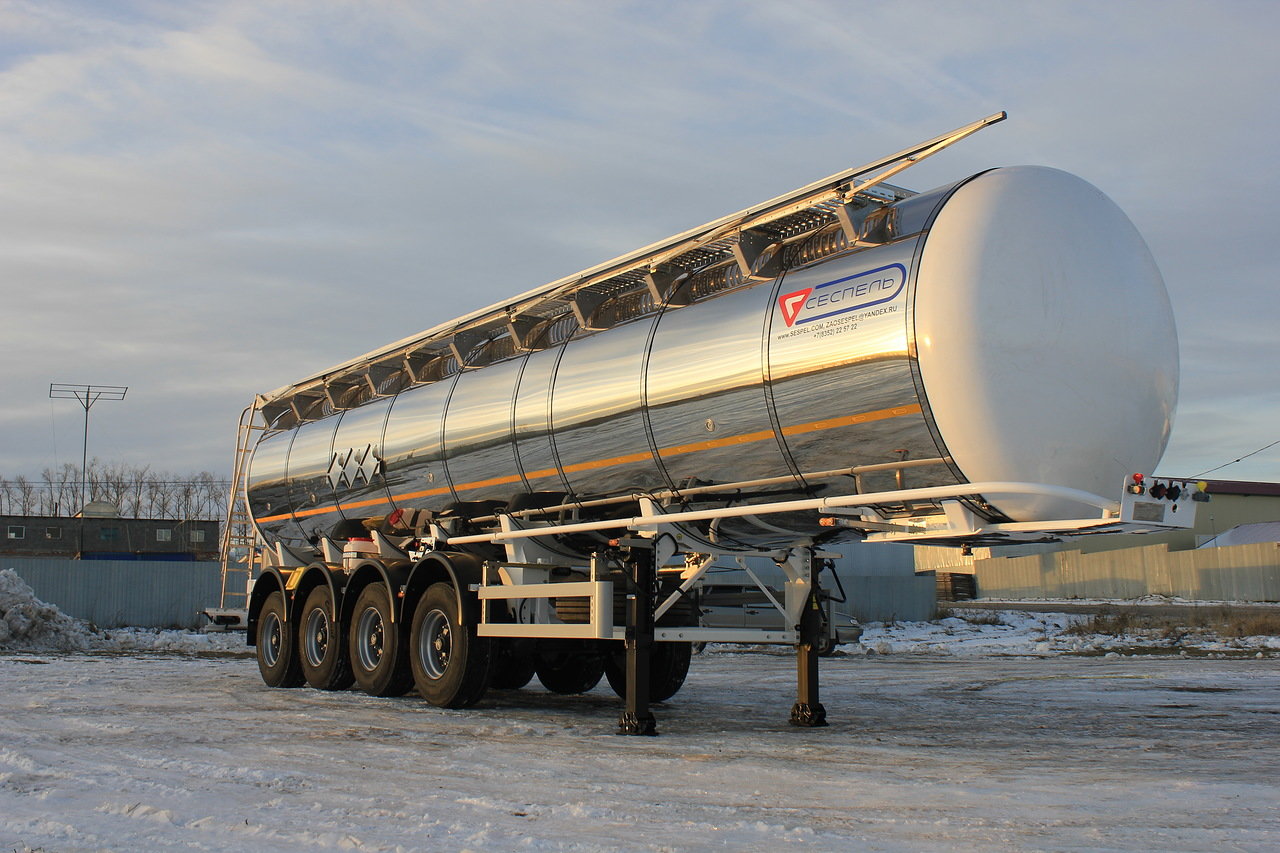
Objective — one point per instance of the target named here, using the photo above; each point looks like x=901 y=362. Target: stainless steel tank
x=1012 y=326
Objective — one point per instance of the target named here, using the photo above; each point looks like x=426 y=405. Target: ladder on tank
x=239 y=553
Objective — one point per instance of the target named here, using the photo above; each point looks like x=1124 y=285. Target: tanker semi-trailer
x=539 y=487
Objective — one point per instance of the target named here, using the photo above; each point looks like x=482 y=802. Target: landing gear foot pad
x=630 y=724
x=808 y=716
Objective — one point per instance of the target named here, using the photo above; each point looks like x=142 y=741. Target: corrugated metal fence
x=900 y=597
x=1238 y=573
x=881 y=598
x=119 y=593
x=879 y=580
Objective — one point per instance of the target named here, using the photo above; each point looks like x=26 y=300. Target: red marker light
x=1138 y=478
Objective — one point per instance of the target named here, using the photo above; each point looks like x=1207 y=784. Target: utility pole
x=87 y=395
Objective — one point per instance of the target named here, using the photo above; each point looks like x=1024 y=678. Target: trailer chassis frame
x=645 y=543
x=648 y=540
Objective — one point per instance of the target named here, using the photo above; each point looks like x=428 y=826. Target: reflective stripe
x=678 y=450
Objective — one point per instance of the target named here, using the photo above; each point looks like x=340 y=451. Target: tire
x=512 y=667
x=569 y=673
x=276 y=650
x=450 y=663
x=375 y=645
x=668 y=668
x=322 y=648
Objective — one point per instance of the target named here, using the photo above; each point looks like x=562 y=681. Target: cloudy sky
x=207 y=200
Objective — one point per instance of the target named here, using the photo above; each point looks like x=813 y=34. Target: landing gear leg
x=637 y=719
x=808 y=712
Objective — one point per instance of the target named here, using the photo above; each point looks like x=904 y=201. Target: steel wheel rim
x=435 y=644
x=315 y=642
x=370 y=639
x=273 y=634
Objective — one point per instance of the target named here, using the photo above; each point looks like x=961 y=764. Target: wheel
x=512 y=666
x=568 y=673
x=375 y=645
x=450 y=663
x=322 y=649
x=668 y=668
x=277 y=660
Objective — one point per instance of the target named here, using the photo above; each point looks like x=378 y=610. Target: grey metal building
x=108 y=538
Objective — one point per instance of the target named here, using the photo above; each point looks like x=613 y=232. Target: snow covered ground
x=1010 y=632
x=163 y=752
x=170 y=741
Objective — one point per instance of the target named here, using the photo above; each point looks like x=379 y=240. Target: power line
x=1234 y=461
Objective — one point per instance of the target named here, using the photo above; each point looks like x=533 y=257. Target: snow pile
x=27 y=623
x=1002 y=633
x=1028 y=634
x=1191 y=640
x=176 y=642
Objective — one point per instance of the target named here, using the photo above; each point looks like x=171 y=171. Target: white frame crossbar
x=946 y=525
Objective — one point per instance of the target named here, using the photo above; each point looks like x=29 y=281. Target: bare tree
x=213 y=495
x=184 y=498
x=64 y=488
x=27 y=500
x=159 y=498
x=132 y=503
x=138 y=492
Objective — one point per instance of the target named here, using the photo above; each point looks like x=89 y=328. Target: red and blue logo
x=850 y=293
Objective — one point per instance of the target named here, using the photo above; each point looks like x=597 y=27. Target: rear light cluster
x=1171 y=490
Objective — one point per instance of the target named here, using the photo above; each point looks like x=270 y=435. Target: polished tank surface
x=354 y=466
x=413 y=444
x=536 y=467
x=701 y=392
x=477 y=432
x=1009 y=327
x=311 y=458
x=1046 y=342
x=597 y=418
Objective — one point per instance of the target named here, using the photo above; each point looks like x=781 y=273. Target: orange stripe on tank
x=596 y=464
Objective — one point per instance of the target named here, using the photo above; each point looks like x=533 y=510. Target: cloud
x=209 y=200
